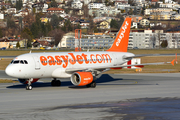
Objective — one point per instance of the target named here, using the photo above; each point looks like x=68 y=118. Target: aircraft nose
x=9 y=71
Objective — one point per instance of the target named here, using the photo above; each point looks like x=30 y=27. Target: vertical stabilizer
x=121 y=41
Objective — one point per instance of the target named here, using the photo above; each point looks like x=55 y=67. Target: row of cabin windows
x=58 y=61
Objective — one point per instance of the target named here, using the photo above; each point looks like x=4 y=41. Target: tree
x=114 y=24
x=54 y=21
x=57 y=34
x=135 y=11
x=10 y=23
x=164 y=44
x=26 y=34
x=18 y=45
x=1 y=34
x=19 y=4
x=53 y=4
x=153 y=41
x=3 y=8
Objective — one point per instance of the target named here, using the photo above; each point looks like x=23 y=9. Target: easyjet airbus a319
x=81 y=67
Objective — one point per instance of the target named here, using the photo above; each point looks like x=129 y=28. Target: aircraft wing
x=70 y=70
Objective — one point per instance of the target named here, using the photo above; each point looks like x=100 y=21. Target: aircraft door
x=115 y=60
x=37 y=63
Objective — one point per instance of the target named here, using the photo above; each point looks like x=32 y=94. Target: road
x=117 y=96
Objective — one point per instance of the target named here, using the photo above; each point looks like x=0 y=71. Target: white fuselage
x=55 y=64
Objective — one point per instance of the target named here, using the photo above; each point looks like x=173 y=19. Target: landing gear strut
x=56 y=82
x=29 y=87
x=91 y=85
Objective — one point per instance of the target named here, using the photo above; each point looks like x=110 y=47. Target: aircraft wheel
x=28 y=87
x=93 y=84
x=53 y=82
x=58 y=83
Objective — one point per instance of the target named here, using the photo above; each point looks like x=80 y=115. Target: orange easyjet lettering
x=64 y=60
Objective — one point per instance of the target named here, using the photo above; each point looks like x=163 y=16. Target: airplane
x=81 y=67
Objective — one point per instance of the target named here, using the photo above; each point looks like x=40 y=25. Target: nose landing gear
x=29 y=87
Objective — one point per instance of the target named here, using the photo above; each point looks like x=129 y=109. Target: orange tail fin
x=121 y=41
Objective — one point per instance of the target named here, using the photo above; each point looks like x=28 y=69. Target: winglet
x=121 y=41
x=172 y=62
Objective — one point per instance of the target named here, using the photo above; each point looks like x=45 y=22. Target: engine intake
x=81 y=78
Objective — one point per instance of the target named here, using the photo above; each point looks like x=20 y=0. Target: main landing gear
x=56 y=82
x=91 y=85
x=28 y=86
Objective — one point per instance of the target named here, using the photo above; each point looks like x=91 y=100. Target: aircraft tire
x=93 y=84
x=57 y=83
x=28 y=87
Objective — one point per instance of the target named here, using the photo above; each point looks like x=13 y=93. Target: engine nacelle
x=25 y=81
x=81 y=78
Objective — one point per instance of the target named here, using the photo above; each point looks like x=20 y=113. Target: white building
x=76 y=4
x=122 y=6
x=96 y=5
x=156 y=10
x=1 y=16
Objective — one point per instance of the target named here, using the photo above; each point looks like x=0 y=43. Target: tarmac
x=116 y=97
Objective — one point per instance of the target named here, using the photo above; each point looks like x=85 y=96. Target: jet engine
x=25 y=81
x=81 y=78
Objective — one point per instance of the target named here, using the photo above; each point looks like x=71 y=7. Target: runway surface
x=117 y=96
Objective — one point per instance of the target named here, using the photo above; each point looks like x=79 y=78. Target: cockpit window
x=19 y=62
x=25 y=62
x=16 y=62
x=12 y=61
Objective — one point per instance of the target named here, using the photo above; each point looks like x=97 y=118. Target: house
x=40 y=7
x=122 y=6
x=161 y=16
x=104 y=12
x=96 y=5
x=1 y=16
x=22 y=13
x=144 y=22
x=149 y=11
x=55 y=11
x=45 y=19
x=38 y=44
x=104 y=25
x=4 y=43
x=120 y=2
x=134 y=25
x=135 y=18
x=84 y=24
x=76 y=4
x=175 y=17
x=6 y=5
x=11 y=11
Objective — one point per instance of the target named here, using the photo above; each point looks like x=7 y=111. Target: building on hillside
x=55 y=11
x=76 y=4
x=135 y=18
x=104 y=25
x=96 y=5
x=87 y=41
x=144 y=22
x=4 y=43
x=149 y=11
x=6 y=5
x=161 y=16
